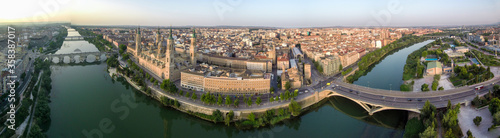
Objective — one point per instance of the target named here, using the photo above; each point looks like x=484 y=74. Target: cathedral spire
x=194 y=33
x=170 y=36
x=139 y=29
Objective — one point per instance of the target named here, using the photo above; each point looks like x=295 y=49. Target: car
x=409 y=99
x=419 y=100
x=307 y=91
x=350 y=90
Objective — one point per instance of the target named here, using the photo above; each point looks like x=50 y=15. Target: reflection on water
x=394 y=119
x=76 y=46
x=83 y=95
x=392 y=64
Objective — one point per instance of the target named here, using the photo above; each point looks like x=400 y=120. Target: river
x=84 y=98
x=388 y=73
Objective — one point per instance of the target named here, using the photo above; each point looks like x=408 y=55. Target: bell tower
x=138 y=42
x=192 y=49
x=169 y=56
x=158 y=35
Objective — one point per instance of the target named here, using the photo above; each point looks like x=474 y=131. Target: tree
x=251 y=117
x=236 y=102
x=429 y=132
x=476 y=101
x=287 y=95
x=187 y=94
x=496 y=119
x=229 y=117
x=165 y=101
x=449 y=134
x=424 y=54
x=36 y=132
x=287 y=85
x=123 y=48
x=496 y=90
x=434 y=85
x=281 y=97
x=340 y=67
x=296 y=93
x=469 y=134
x=494 y=106
x=194 y=97
x=271 y=99
x=249 y=101
x=258 y=101
x=294 y=108
x=427 y=110
x=440 y=88
x=450 y=119
x=413 y=128
x=271 y=89
x=217 y=116
x=477 y=120
x=425 y=87
x=176 y=103
x=228 y=100
x=219 y=100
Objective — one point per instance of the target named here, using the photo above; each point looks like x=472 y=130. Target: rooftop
x=434 y=65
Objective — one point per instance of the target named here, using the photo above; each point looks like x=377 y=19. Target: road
x=410 y=100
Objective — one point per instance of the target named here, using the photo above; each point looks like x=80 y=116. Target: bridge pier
x=97 y=58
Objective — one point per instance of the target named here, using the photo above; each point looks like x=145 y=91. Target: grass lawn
x=456 y=81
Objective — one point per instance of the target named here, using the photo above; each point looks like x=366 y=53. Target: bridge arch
x=361 y=114
x=370 y=107
x=66 y=58
x=90 y=58
x=77 y=59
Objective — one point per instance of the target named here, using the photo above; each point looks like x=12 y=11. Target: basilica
x=161 y=58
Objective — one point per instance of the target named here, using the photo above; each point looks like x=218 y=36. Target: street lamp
x=390 y=87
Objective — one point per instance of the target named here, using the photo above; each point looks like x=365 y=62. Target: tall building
x=192 y=49
x=160 y=43
x=158 y=37
x=330 y=65
x=138 y=41
x=272 y=54
x=307 y=71
x=169 y=56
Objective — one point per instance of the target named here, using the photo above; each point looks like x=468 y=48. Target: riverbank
x=416 y=79
x=367 y=62
x=280 y=110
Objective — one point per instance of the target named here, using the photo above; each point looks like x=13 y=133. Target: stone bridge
x=436 y=37
x=75 y=57
x=75 y=38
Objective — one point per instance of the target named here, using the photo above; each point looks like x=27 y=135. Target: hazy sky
x=278 y=13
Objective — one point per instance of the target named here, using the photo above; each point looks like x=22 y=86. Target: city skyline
x=286 y=14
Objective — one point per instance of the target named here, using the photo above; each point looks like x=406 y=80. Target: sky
x=272 y=13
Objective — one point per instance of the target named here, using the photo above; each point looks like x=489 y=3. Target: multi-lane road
x=404 y=100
